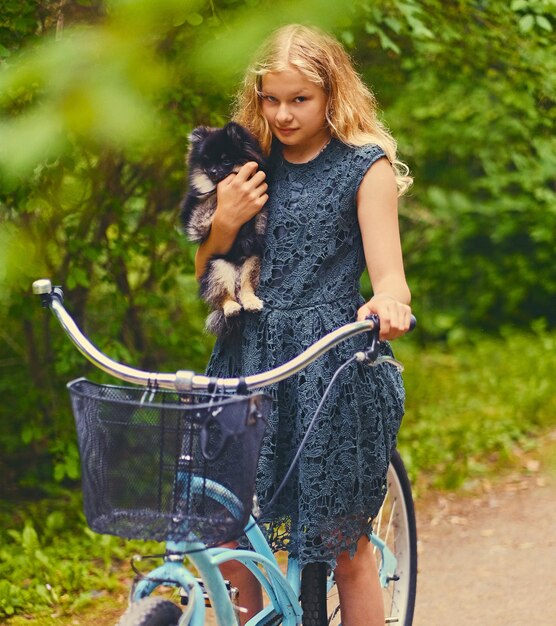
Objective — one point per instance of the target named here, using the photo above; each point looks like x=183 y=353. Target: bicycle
x=201 y=438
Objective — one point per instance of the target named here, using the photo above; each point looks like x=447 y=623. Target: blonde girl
x=331 y=196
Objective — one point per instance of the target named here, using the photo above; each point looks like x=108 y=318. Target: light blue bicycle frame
x=282 y=590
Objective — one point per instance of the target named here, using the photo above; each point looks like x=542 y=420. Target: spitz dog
x=229 y=281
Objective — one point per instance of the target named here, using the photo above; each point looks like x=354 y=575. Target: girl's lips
x=286 y=131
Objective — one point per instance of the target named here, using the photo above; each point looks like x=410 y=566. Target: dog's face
x=217 y=152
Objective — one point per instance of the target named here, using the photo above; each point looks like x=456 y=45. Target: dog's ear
x=244 y=139
x=237 y=133
x=199 y=133
x=196 y=138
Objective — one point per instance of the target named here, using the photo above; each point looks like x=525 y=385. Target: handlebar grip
x=43 y=288
x=376 y=320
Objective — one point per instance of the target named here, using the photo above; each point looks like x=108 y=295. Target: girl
x=333 y=187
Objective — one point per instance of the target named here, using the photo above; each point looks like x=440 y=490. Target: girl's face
x=295 y=109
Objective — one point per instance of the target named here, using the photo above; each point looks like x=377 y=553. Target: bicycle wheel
x=395 y=525
x=151 y=611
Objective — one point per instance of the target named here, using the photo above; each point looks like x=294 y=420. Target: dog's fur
x=229 y=281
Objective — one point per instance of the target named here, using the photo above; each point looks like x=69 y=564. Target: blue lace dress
x=309 y=283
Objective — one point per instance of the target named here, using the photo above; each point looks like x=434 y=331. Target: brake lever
x=386 y=359
x=370 y=355
x=364 y=357
x=372 y=350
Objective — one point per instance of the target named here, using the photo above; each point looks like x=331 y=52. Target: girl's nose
x=283 y=115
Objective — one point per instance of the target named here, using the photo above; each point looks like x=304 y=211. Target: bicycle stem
x=186 y=380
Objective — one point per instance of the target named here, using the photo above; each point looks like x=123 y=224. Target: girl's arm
x=239 y=198
x=377 y=211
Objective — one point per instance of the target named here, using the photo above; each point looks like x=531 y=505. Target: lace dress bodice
x=313 y=242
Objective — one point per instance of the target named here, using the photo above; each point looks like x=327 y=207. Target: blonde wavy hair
x=352 y=107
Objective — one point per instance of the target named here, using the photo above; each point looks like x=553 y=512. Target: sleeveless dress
x=311 y=266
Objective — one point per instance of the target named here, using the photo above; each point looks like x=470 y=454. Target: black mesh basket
x=167 y=466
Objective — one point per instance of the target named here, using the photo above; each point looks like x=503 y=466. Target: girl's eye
x=300 y=99
x=269 y=98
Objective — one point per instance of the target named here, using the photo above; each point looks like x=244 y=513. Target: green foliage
x=18 y=24
x=92 y=202
x=473 y=107
x=50 y=560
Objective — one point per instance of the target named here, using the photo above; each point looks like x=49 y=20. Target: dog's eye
x=226 y=161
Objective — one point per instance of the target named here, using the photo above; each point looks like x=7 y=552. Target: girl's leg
x=250 y=593
x=361 y=602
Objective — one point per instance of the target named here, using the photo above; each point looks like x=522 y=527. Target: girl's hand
x=240 y=196
x=395 y=317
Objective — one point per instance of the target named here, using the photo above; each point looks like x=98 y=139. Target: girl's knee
x=352 y=567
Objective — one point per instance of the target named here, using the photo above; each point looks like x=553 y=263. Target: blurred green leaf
x=526 y=23
x=226 y=54
x=195 y=19
x=542 y=21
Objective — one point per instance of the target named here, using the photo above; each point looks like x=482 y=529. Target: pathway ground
x=489 y=559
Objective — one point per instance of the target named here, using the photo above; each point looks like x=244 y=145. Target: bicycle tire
x=151 y=611
x=313 y=595
x=400 y=534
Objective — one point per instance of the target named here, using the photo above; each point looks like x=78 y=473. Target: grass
x=107 y=610
x=472 y=409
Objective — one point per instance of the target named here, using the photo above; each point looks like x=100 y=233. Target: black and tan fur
x=229 y=281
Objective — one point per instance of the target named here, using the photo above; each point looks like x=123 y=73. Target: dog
x=229 y=281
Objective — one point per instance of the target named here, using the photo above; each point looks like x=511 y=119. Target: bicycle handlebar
x=186 y=380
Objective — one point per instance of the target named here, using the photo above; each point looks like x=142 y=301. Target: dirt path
x=489 y=559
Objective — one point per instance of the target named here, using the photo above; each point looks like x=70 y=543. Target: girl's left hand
x=395 y=317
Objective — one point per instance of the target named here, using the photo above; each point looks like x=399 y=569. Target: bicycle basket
x=167 y=466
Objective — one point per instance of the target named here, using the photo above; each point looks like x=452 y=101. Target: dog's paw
x=252 y=303
x=231 y=308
